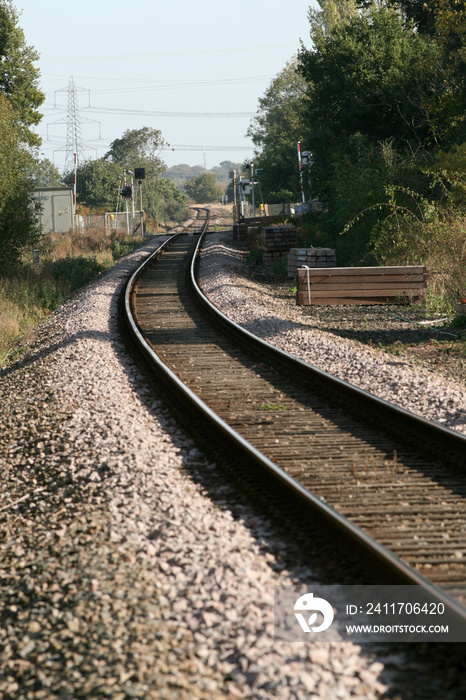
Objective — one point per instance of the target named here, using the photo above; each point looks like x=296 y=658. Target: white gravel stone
x=210 y=573
x=372 y=370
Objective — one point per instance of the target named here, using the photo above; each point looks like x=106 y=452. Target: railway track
x=385 y=482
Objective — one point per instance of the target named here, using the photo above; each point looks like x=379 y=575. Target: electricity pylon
x=74 y=139
x=73 y=120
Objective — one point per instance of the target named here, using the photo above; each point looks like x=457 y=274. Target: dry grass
x=14 y=321
x=66 y=262
x=10 y=320
x=58 y=246
x=438 y=243
x=446 y=261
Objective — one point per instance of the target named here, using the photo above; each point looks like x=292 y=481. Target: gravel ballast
x=121 y=578
x=321 y=336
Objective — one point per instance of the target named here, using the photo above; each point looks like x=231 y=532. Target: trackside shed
x=57 y=208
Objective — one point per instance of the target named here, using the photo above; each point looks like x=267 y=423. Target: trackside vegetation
x=32 y=287
x=380 y=102
x=20 y=99
x=63 y=263
x=98 y=180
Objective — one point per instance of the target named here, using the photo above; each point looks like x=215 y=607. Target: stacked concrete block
x=276 y=241
x=310 y=257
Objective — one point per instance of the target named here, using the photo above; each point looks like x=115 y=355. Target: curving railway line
x=389 y=485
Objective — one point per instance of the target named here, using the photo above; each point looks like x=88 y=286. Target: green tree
x=18 y=75
x=97 y=183
x=182 y=172
x=449 y=103
x=204 y=188
x=420 y=12
x=139 y=148
x=223 y=170
x=331 y=15
x=45 y=174
x=19 y=102
x=275 y=131
x=166 y=202
x=19 y=227
x=370 y=78
x=372 y=75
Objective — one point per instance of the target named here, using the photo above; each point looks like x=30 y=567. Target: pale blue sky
x=177 y=58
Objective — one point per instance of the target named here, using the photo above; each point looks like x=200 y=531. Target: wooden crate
x=310 y=257
x=360 y=285
x=278 y=238
x=268 y=257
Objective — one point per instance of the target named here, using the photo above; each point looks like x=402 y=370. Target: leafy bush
x=204 y=188
x=439 y=243
x=254 y=257
x=280 y=267
x=120 y=247
x=76 y=272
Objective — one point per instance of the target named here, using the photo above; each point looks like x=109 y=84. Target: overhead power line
x=195 y=115
x=176 y=147
x=183 y=85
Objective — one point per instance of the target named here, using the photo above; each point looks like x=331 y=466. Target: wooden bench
x=360 y=285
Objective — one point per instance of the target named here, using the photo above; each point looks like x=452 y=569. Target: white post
x=133 y=213
x=301 y=172
x=252 y=185
x=74 y=190
x=142 y=210
x=126 y=204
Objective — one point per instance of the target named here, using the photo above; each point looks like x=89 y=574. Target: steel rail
x=384 y=564
x=436 y=438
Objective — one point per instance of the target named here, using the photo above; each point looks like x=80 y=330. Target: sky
x=193 y=70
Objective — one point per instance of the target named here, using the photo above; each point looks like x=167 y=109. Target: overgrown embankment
x=62 y=264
